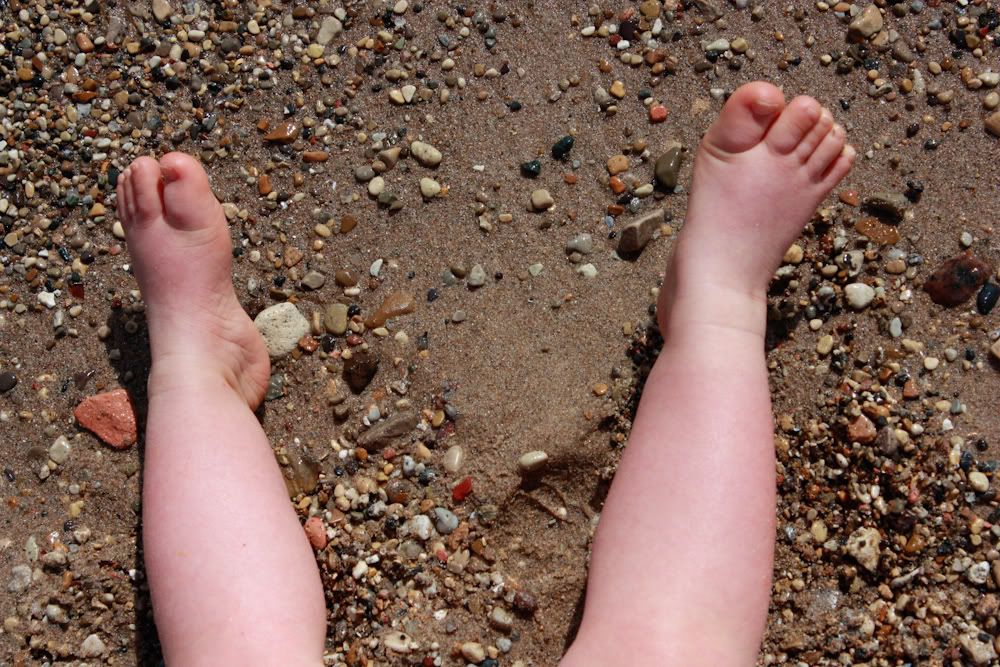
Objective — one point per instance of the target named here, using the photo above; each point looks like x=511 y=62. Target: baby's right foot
x=761 y=171
x=181 y=255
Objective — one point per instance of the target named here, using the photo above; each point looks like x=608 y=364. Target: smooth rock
x=979 y=482
x=425 y=154
x=473 y=652
x=992 y=124
x=92 y=647
x=861 y=429
x=978 y=652
x=386 y=431
x=957 y=279
x=453 y=459
x=395 y=303
x=877 y=231
x=532 y=463
x=445 y=521
x=987 y=298
x=335 y=319
x=110 y=416
x=890 y=204
x=635 y=235
x=315 y=532
x=313 y=280
x=668 y=166
x=7 y=382
x=330 y=28
x=500 y=619
x=865 y=25
x=429 y=188
x=863 y=546
x=418 y=526
x=162 y=10
x=859 y=295
x=581 y=243
x=59 y=450
x=283 y=133
x=281 y=326
x=398 y=642
x=617 y=164
x=477 y=276
x=360 y=369
x=541 y=200
x=561 y=148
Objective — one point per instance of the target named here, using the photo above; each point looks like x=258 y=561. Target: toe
x=187 y=195
x=142 y=192
x=840 y=167
x=123 y=199
x=745 y=118
x=815 y=136
x=794 y=124
x=827 y=152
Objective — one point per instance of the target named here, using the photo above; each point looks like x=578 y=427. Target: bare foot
x=181 y=254
x=761 y=171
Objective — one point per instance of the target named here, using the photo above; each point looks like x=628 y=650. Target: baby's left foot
x=761 y=171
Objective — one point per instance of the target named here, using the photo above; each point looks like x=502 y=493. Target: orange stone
x=617 y=185
x=315 y=532
x=395 y=304
x=347 y=223
x=315 y=156
x=569 y=179
x=110 y=416
x=877 y=231
x=284 y=133
x=657 y=113
x=850 y=197
x=861 y=430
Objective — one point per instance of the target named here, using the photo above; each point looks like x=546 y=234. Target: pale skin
x=681 y=567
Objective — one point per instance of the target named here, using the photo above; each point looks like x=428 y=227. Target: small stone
x=985 y=300
x=718 y=46
x=890 y=204
x=453 y=459
x=59 y=450
x=473 y=652
x=284 y=133
x=92 y=647
x=931 y=363
x=861 y=430
x=581 y=243
x=978 y=652
x=824 y=345
x=429 y=188
x=335 y=319
x=859 y=295
x=445 y=521
x=376 y=186
x=162 y=10
x=477 y=276
x=541 y=200
x=313 y=280
x=500 y=619
x=668 y=165
x=387 y=430
x=794 y=254
x=532 y=463
x=877 y=231
x=867 y=23
x=531 y=169
x=957 y=279
x=617 y=89
x=110 y=416
x=398 y=642
x=979 y=482
x=995 y=349
x=638 y=233
x=419 y=526
x=360 y=369
x=588 y=270
x=657 y=113
x=330 y=28
x=617 y=164
x=315 y=532
x=863 y=546
x=7 y=382
x=20 y=579
x=281 y=326
x=425 y=154
x=993 y=124
x=562 y=147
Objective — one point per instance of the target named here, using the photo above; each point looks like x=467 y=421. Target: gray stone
x=636 y=234
x=581 y=243
x=281 y=326
x=92 y=647
x=330 y=28
x=477 y=276
x=978 y=652
x=532 y=463
x=717 y=46
x=500 y=619
x=59 y=450
x=425 y=154
x=859 y=295
x=388 y=430
x=445 y=521
x=668 y=165
x=313 y=280
x=419 y=527
x=891 y=204
x=335 y=319
x=20 y=579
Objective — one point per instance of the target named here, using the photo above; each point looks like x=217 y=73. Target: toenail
x=763 y=107
x=170 y=174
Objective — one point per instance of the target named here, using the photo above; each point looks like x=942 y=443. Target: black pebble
x=533 y=168
x=562 y=147
x=987 y=298
x=7 y=382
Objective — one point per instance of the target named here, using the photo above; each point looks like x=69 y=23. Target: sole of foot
x=181 y=255
x=761 y=171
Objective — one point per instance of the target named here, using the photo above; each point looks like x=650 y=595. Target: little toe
x=142 y=192
x=816 y=135
x=187 y=196
x=794 y=124
x=745 y=119
x=840 y=167
x=829 y=150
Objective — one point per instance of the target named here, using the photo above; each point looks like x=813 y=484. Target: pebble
x=453 y=459
x=473 y=652
x=587 y=270
x=110 y=416
x=859 y=295
x=979 y=482
x=313 y=280
x=861 y=430
x=562 y=147
x=992 y=124
x=532 y=463
x=429 y=188
x=7 y=382
x=477 y=276
x=500 y=619
x=425 y=154
x=281 y=326
x=531 y=169
x=162 y=10
x=388 y=430
x=20 y=579
x=979 y=653
x=445 y=521
x=891 y=204
x=824 y=345
x=617 y=164
x=581 y=243
x=359 y=370
x=865 y=25
x=59 y=450
x=657 y=113
x=398 y=642
x=328 y=29
x=315 y=532
x=335 y=319
x=863 y=546
x=541 y=200
x=418 y=526
x=877 y=231
x=637 y=234
x=284 y=133
x=92 y=647
x=985 y=301
x=668 y=165
x=957 y=279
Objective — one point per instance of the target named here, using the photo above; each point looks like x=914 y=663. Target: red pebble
x=657 y=113
x=110 y=416
x=461 y=490
x=316 y=532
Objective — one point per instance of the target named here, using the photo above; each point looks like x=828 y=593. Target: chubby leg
x=681 y=569
x=232 y=577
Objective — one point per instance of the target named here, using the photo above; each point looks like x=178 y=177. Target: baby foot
x=181 y=255
x=761 y=171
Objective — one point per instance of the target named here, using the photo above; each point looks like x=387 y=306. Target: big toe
x=187 y=196
x=140 y=199
x=746 y=118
